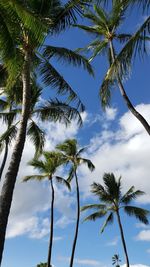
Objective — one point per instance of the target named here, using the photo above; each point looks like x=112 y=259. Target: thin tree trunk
x=77 y=222
x=123 y=239
x=4 y=159
x=51 y=227
x=11 y=175
x=126 y=98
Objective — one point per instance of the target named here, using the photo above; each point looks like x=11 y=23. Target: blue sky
x=117 y=143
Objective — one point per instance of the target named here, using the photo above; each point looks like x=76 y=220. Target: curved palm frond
x=88 y=163
x=63 y=181
x=93 y=206
x=65 y=55
x=67 y=15
x=37 y=164
x=51 y=77
x=70 y=175
x=55 y=110
x=9 y=117
x=96 y=215
x=130 y=195
x=34 y=177
x=9 y=135
x=139 y=213
x=108 y=220
x=69 y=147
x=37 y=136
x=112 y=186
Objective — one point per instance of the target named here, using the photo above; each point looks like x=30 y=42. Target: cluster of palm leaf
x=26 y=59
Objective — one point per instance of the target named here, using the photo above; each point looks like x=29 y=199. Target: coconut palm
x=47 y=169
x=72 y=155
x=116 y=260
x=31 y=57
x=112 y=201
x=51 y=110
x=106 y=29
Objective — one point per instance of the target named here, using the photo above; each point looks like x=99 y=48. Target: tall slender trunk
x=11 y=175
x=123 y=239
x=4 y=159
x=51 y=227
x=126 y=98
x=77 y=222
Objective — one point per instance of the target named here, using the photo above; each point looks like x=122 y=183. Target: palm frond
x=100 y=191
x=130 y=195
x=101 y=47
x=93 y=206
x=63 y=181
x=55 y=110
x=9 y=117
x=3 y=105
x=96 y=215
x=68 y=14
x=87 y=162
x=9 y=135
x=37 y=164
x=108 y=220
x=51 y=77
x=34 y=177
x=37 y=136
x=65 y=55
x=69 y=147
x=139 y=213
x=112 y=186
x=70 y=175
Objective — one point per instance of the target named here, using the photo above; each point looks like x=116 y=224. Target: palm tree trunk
x=11 y=175
x=4 y=159
x=51 y=227
x=123 y=239
x=126 y=98
x=77 y=222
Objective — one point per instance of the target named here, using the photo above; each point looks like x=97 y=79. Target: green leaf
x=139 y=213
x=63 y=181
x=55 y=110
x=37 y=136
x=108 y=220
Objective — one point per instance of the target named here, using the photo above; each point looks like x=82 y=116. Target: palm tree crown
x=112 y=201
x=72 y=155
x=120 y=49
x=47 y=168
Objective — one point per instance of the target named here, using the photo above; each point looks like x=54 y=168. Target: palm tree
x=51 y=110
x=31 y=57
x=106 y=29
x=116 y=260
x=72 y=155
x=47 y=169
x=112 y=201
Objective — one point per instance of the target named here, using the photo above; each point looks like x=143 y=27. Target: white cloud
x=143 y=235
x=32 y=199
x=110 y=113
x=113 y=242
x=136 y=265
x=124 y=152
